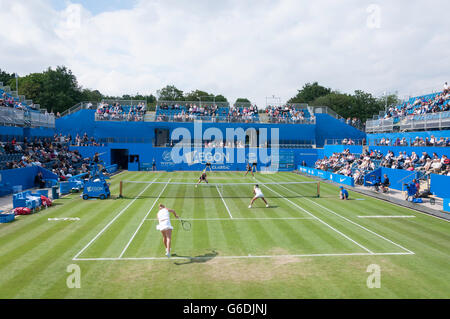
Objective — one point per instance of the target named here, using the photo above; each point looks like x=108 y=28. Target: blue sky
x=96 y=6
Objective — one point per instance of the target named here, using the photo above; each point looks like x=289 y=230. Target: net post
x=318 y=189
x=120 y=191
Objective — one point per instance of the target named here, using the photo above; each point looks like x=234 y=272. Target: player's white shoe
x=267 y=205
x=249 y=206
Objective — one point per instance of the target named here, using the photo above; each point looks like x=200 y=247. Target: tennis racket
x=185 y=224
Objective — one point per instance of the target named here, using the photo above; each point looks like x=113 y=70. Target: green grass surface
x=300 y=247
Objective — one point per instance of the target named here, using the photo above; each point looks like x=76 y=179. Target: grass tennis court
x=300 y=247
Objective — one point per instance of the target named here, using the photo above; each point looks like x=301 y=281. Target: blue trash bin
x=55 y=194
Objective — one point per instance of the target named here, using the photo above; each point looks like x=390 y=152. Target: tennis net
x=155 y=189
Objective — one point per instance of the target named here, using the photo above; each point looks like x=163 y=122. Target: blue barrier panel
x=322 y=174
x=341 y=179
x=19 y=176
x=440 y=185
x=111 y=168
x=446 y=206
x=46 y=174
x=398 y=177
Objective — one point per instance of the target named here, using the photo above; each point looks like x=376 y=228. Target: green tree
x=54 y=90
x=199 y=95
x=221 y=98
x=91 y=95
x=361 y=105
x=338 y=102
x=309 y=93
x=6 y=77
x=170 y=93
x=242 y=100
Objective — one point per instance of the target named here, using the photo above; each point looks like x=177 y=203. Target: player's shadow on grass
x=196 y=259
x=264 y=207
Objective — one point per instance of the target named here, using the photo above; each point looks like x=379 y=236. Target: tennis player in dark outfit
x=202 y=178
x=249 y=170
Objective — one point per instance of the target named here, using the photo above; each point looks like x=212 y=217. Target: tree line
x=57 y=90
x=360 y=104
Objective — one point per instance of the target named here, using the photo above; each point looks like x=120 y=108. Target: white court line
x=350 y=221
x=234 y=218
x=143 y=220
x=342 y=234
x=388 y=216
x=117 y=216
x=243 y=257
x=223 y=200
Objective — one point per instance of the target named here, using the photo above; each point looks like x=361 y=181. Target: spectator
x=39 y=180
x=385 y=184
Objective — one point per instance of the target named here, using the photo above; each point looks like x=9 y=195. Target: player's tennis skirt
x=164 y=225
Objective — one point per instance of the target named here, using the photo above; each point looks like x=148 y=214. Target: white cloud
x=236 y=48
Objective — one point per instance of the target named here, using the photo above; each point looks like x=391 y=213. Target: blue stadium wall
x=7 y=132
x=136 y=138
x=230 y=159
x=83 y=122
x=327 y=127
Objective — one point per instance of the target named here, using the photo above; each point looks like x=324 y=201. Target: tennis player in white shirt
x=164 y=226
x=258 y=194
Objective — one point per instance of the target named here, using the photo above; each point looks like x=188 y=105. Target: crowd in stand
x=355 y=122
x=356 y=166
x=9 y=101
x=422 y=105
x=349 y=141
x=425 y=163
x=285 y=113
x=85 y=140
x=188 y=112
x=246 y=113
x=192 y=111
x=118 y=112
x=418 y=141
x=50 y=153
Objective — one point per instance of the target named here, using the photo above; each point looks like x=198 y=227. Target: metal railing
x=205 y=144
x=275 y=120
x=189 y=103
x=213 y=119
x=440 y=120
x=124 y=102
x=80 y=106
x=444 y=142
x=16 y=117
x=122 y=117
x=344 y=141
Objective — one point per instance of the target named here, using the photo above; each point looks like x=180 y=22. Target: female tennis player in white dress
x=258 y=194
x=164 y=226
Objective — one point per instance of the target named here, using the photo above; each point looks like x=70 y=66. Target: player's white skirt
x=259 y=196
x=164 y=225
